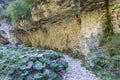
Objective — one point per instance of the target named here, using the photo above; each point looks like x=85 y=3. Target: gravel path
x=77 y=72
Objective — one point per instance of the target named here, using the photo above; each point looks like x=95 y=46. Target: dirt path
x=76 y=72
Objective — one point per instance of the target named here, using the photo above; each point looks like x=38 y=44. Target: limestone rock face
x=115 y=15
x=49 y=8
x=5 y=27
x=67 y=24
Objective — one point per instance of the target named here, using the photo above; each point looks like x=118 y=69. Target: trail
x=76 y=72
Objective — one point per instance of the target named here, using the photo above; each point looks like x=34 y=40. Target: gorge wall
x=5 y=29
x=67 y=24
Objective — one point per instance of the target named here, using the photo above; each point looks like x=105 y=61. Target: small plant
x=25 y=63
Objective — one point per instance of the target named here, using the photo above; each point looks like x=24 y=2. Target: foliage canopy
x=17 y=9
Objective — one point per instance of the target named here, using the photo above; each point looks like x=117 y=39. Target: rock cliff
x=67 y=24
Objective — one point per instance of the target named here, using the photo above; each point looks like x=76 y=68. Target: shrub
x=113 y=45
x=16 y=11
x=102 y=63
x=27 y=3
x=25 y=63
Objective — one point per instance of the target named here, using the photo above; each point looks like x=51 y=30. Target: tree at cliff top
x=17 y=10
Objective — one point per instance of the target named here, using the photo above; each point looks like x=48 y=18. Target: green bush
x=16 y=11
x=27 y=3
x=25 y=63
x=113 y=45
x=102 y=63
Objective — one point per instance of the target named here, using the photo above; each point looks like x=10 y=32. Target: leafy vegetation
x=25 y=63
x=105 y=61
x=27 y=3
x=113 y=45
x=103 y=64
x=17 y=9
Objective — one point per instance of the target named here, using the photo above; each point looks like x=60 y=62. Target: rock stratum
x=67 y=24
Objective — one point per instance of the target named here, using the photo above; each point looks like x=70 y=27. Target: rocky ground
x=76 y=72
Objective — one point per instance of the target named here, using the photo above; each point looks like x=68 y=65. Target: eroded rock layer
x=67 y=24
